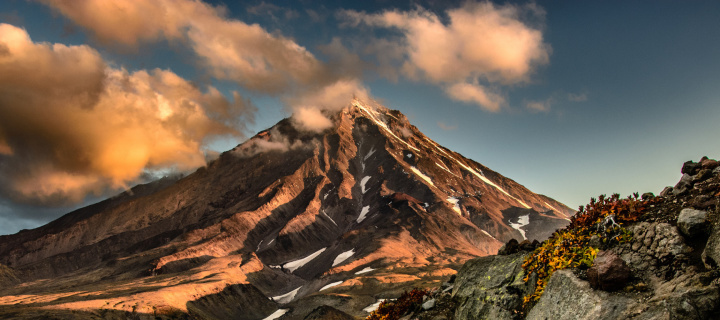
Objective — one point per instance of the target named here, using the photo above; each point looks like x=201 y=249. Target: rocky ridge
x=667 y=269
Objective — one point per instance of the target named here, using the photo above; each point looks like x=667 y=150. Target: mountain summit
x=285 y=222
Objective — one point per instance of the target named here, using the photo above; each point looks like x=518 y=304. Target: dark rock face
x=234 y=302
x=491 y=287
x=609 y=272
x=328 y=313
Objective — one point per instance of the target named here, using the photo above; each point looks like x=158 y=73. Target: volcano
x=282 y=224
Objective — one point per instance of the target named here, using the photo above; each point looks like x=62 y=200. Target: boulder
x=609 y=272
x=691 y=222
x=690 y=167
x=512 y=246
x=709 y=164
x=491 y=287
x=567 y=297
x=711 y=254
x=666 y=191
x=427 y=305
x=647 y=196
x=702 y=175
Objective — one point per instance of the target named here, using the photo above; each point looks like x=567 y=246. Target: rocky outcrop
x=234 y=302
x=491 y=287
x=327 y=313
x=667 y=268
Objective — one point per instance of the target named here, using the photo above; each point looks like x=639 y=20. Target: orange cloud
x=71 y=125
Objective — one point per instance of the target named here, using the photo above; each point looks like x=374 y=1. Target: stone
x=609 y=272
x=510 y=247
x=595 y=241
x=690 y=167
x=702 y=175
x=709 y=164
x=647 y=196
x=492 y=287
x=666 y=191
x=427 y=305
x=526 y=245
x=716 y=171
x=567 y=297
x=691 y=222
x=711 y=254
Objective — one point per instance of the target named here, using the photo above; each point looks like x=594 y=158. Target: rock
x=666 y=191
x=491 y=287
x=690 y=168
x=526 y=245
x=716 y=171
x=691 y=222
x=510 y=247
x=647 y=196
x=711 y=254
x=327 y=313
x=427 y=305
x=595 y=241
x=702 y=175
x=237 y=301
x=709 y=164
x=609 y=272
x=567 y=297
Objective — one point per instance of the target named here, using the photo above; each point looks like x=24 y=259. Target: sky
x=572 y=99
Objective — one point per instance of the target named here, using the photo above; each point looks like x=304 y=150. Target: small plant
x=393 y=310
x=570 y=247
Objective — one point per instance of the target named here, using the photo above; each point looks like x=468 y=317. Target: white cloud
x=477 y=94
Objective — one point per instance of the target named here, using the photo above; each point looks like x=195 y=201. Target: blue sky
x=607 y=97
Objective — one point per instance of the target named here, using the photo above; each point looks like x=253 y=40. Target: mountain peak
x=288 y=214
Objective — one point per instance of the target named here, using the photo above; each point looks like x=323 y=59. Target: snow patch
x=409 y=155
x=522 y=221
x=373 y=306
x=456 y=204
x=366 y=270
x=422 y=175
x=294 y=265
x=363 y=182
x=363 y=213
x=285 y=298
x=258 y=246
x=551 y=207
x=331 y=285
x=327 y=216
x=446 y=169
x=489 y=235
x=372 y=150
x=277 y=314
x=343 y=256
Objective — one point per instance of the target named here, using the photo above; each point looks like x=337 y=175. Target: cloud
x=230 y=49
x=577 y=97
x=265 y=141
x=308 y=107
x=71 y=126
x=540 y=106
x=481 y=42
x=478 y=94
x=446 y=127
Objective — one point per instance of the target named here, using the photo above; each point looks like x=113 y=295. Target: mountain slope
x=367 y=206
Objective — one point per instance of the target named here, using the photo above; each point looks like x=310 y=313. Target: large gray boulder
x=691 y=222
x=491 y=287
x=567 y=297
x=711 y=254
